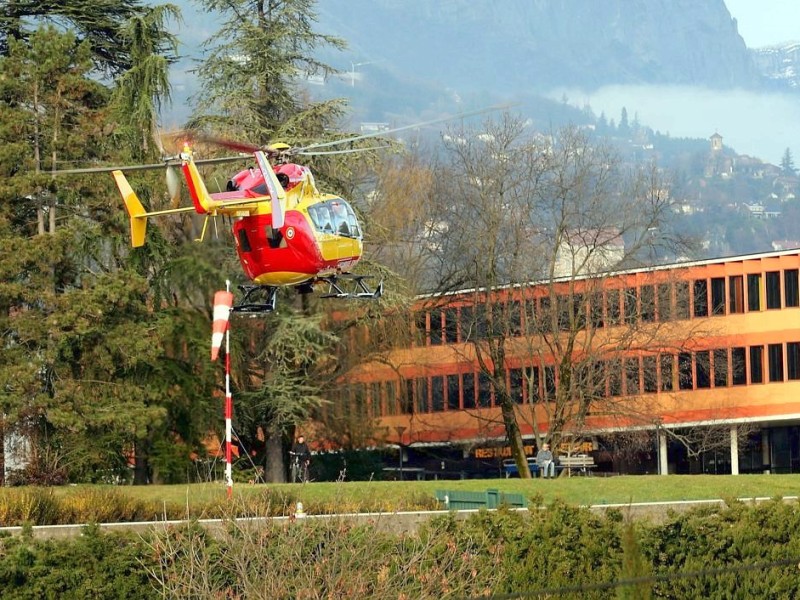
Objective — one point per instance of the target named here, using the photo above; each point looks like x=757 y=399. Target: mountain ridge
x=547 y=44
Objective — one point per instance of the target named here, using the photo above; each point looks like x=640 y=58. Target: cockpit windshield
x=335 y=216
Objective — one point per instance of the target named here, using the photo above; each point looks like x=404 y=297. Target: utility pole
x=353 y=66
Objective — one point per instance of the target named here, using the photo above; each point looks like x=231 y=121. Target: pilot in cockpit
x=326 y=223
x=340 y=218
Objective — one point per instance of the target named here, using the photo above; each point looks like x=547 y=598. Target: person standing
x=545 y=462
x=301 y=458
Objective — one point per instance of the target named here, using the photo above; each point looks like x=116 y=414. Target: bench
x=510 y=467
x=463 y=500
x=409 y=473
x=437 y=474
x=582 y=463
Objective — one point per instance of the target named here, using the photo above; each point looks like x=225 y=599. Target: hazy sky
x=766 y=22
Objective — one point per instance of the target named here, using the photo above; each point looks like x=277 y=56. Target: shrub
x=556 y=547
x=313 y=559
x=94 y=565
x=44 y=506
x=739 y=537
x=559 y=551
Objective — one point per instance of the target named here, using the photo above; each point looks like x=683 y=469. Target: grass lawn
x=105 y=503
x=409 y=495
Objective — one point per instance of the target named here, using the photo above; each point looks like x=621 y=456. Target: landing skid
x=257 y=299
x=262 y=299
x=358 y=287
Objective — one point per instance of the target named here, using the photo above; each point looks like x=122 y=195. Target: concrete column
x=765 y=454
x=663 y=465
x=734 y=450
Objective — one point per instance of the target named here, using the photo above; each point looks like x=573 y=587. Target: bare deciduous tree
x=566 y=212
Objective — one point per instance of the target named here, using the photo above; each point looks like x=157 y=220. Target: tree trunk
x=141 y=464
x=141 y=468
x=37 y=160
x=52 y=215
x=506 y=402
x=275 y=470
x=514 y=435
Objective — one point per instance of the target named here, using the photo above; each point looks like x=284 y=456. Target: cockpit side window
x=355 y=230
x=244 y=242
x=345 y=220
x=313 y=212
x=321 y=217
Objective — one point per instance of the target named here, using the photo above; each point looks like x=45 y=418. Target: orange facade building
x=710 y=344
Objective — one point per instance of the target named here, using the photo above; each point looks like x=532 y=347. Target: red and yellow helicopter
x=287 y=232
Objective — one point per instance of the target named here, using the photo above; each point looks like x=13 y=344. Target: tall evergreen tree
x=787 y=163
x=624 y=126
x=252 y=90
x=96 y=22
x=143 y=89
x=96 y=362
x=254 y=65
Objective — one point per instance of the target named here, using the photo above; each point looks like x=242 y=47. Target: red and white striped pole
x=223 y=302
x=228 y=408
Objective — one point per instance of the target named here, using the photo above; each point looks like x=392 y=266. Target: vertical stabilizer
x=203 y=203
x=136 y=211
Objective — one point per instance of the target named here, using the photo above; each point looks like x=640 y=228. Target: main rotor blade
x=223 y=159
x=268 y=150
x=227 y=143
x=405 y=127
x=150 y=167
x=349 y=151
x=305 y=150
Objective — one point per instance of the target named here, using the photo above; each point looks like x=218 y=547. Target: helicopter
x=286 y=231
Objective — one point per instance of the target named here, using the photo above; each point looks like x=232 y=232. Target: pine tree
x=143 y=89
x=251 y=90
x=787 y=163
x=96 y=22
x=624 y=126
x=254 y=65
x=98 y=363
x=602 y=124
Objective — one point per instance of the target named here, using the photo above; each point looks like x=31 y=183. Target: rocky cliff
x=538 y=45
x=779 y=65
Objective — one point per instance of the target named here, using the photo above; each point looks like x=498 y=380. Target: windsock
x=223 y=301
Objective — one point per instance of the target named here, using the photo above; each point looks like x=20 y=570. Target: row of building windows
x=637 y=304
x=705 y=369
